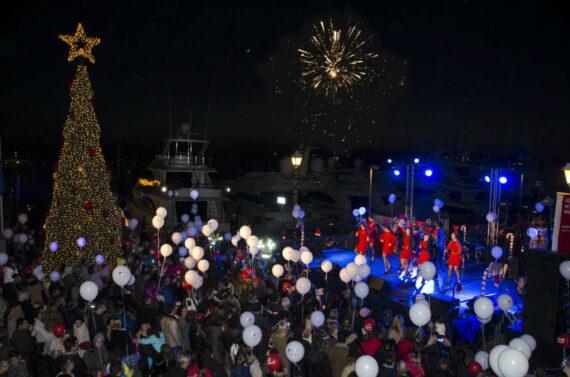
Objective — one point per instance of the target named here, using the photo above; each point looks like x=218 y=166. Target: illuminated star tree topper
x=80 y=45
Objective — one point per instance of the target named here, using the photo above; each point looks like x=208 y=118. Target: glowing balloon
x=565 y=269
x=133 y=223
x=317 y=319
x=352 y=269
x=206 y=230
x=235 y=240
x=392 y=198
x=344 y=276
x=8 y=233
x=166 y=250
x=363 y=271
x=539 y=207
x=99 y=259
x=3 y=259
x=286 y=253
x=203 y=265
x=81 y=242
x=491 y=217
x=88 y=291
x=189 y=243
x=294 y=351
x=246 y=319
x=54 y=276
x=245 y=232
x=361 y=290
x=366 y=366
x=361 y=211
x=483 y=308
x=22 y=218
x=176 y=238
x=530 y=340
x=420 y=314
x=161 y=211
x=532 y=233
x=494 y=358
x=121 y=275
x=306 y=257
x=360 y=259
x=197 y=252
x=513 y=363
x=355 y=212
x=185 y=218
x=194 y=194
x=326 y=266
x=252 y=335
x=496 y=252
x=191 y=276
x=303 y=285
x=53 y=246
x=277 y=270
x=435 y=209
x=189 y=263
x=295 y=256
x=427 y=270
x=252 y=241
x=522 y=346
x=213 y=224
x=158 y=222
x=505 y=302
x=482 y=358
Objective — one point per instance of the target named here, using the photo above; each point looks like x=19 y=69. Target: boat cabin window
x=186 y=208
x=183 y=179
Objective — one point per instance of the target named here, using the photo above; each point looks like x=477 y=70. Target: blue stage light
x=428 y=172
x=487 y=179
x=389 y=160
x=416 y=160
x=503 y=180
x=396 y=172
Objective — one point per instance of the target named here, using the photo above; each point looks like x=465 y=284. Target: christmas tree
x=83 y=220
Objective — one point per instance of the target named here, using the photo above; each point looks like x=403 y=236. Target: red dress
x=362 y=244
x=406 y=248
x=388 y=241
x=454 y=248
x=424 y=253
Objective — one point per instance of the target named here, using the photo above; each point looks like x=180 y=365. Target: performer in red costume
x=362 y=236
x=372 y=228
x=454 y=261
x=424 y=250
x=408 y=246
x=388 y=241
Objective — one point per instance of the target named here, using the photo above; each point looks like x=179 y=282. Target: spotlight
x=487 y=179
x=428 y=172
x=396 y=172
x=503 y=180
x=389 y=160
x=416 y=160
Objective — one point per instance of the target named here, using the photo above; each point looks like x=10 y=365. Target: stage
x=403 y=292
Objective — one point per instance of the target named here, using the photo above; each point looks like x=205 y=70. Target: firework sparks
x=336 y=60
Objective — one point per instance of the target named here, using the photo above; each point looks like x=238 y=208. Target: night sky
x=484 y=76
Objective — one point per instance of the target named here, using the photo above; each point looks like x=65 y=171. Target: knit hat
x=99 y=337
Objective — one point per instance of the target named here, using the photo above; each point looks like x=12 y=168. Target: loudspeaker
x=443 y=305
x=378 y=285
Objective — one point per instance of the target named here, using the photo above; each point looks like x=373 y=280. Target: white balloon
x=99 y=259
x=54 y=276
x=131 y=280
x=427 y=270
x=532 y=233
x=81 y=242
x=326 y=266
x=306 y=257
x=303 y=285
x=133 y=223
x=494 y=358
x=505 y=302
x=361 y=290
x=294 y=351
x=362 y=211
x=189 y=243
x=206 y=230
x=192 y=231
x=252 y=335
x=277 y=270
x=344 y=275
x=253 y=251
x=227 y=236
x=166 y=250
x=484 y=321
x=296 y=207
x=8 y=233
x=352 y=269
x=366 y=366
x=88 y=291
x=482 y=358
x=355 y=212
x=158 y=222
x=522 y=346
x=435 y=208
x=252 y=241
x=245 y=232
x=317 y=319
x=121 y=275
x=235 y=240
x=438 y=202
x=197 y=252
x=189 y=263
x=213 y=224
x=3 y=259
x=176 y=238
x=392 y=198
x=161 y=211
x=483 y=307
x=513 y=363
x=530 y=340
x=491 y=217
x=246 y=319
x=357 y=279
x=295 y=213
x=295 y=256
x=565 y=269
x=420 y=314
x=496 y=252
x=363 y=271
x=185 y=218
x=191 y=276
x=198 y=281
x=539 y=207
x=286 y=253
x=194 y=194
x=22 y=218
x=53 y=246
x=170 y=193
x=360 y=259
x=203 y=265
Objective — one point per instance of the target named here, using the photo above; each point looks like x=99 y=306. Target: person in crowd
x=172 y=332
x=97 y=357
x=97 y=324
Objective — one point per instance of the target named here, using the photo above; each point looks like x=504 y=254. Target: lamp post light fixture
x=567 y=173
x=296 y=161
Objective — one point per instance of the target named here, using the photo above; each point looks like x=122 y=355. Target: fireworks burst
x=336 y=59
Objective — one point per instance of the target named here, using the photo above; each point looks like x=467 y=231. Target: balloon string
x=125 y=318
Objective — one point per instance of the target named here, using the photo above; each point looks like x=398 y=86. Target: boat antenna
x=210 y=89
x=169 y=96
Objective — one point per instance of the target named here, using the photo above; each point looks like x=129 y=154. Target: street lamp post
x=296 y=161
x=370 y=177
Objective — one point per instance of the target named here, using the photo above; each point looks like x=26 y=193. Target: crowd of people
x=161 y=326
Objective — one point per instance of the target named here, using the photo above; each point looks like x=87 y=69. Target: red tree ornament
x=87 y=206
x=92 y=151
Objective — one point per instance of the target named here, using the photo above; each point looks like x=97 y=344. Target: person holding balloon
x=388 y=241
x=455 y=258
x=362 y=236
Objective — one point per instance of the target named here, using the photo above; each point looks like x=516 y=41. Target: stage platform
x=403 y=291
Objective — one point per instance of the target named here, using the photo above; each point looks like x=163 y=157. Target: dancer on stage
x=362 y=236
x=372 y=228
x=388 y=241
x=408 y=246
x=424 y=250
x=454 y=260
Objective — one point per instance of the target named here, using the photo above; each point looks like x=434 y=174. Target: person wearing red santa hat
x=388 y=241
x=454 y=260
x=362 y=236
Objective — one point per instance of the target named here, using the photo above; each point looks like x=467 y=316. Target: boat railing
x=185 y=160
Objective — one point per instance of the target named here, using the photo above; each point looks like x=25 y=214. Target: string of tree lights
x=83 y=221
